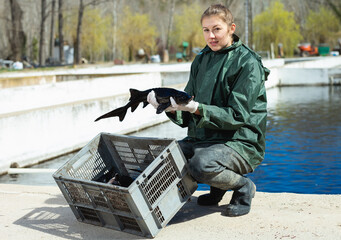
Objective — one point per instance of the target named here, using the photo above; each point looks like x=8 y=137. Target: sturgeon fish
x=162 y=95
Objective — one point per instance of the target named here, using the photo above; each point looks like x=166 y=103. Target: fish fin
x=122 y=115
x=134 y=94
x=162 y=107
x=118 y=112
x=134 y=106
x=145 y=104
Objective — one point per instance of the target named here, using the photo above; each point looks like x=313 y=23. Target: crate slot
x=143 y=156
x=117 y=201
x=90 y=168
x=134 y=170
x=89 y=215
x=129 y=223
x=77 y=193
x=158 y=183
x=159 y=215
x=182 y=190
x=155 y=150
x=98 y=198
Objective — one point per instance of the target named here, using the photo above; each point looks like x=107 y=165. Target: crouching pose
x=226 y=120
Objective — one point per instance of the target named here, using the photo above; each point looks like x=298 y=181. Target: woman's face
x=217 y=33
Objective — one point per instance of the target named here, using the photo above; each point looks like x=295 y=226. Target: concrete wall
x=321 y=62
x=302 y=76
x=55 y=113
x=42 y=121
x=316 y=72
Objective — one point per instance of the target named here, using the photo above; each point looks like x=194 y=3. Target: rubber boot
x=240 y=203
x=213 y=198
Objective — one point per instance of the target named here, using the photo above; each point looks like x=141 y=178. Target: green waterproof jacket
x=229 y=86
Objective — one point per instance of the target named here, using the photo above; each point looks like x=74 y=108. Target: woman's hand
x=191 y=106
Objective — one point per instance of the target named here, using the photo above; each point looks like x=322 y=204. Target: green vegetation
x=276 y=25
x=187 y=27
x=96 y=34
x=322 y=26
x=136 y=31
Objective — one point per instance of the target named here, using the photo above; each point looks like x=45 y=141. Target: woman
x=226 y=120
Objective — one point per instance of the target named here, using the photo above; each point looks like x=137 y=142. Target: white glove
x=191 y=107
x=152 y=99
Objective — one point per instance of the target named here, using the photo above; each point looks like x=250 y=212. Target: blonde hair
x=218 y=10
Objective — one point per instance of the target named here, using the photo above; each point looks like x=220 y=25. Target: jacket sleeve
x=179 y=118
x=241 y=100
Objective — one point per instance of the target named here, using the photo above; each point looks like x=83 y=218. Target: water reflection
x=303 y=141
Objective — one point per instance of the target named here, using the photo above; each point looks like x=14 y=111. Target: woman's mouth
x=213 y=43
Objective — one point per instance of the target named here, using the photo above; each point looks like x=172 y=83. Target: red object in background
x=308 y=49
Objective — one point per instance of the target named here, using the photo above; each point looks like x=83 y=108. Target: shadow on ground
x=59 y=220
x=191 y=210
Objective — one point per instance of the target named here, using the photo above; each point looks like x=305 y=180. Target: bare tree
x=114 y=36
x=170 y=23
x=16 y=35
x=79 y=32
x=42 y=31
x=60 y=31
x=52 y=28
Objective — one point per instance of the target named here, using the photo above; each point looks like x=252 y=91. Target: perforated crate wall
x=161 y=184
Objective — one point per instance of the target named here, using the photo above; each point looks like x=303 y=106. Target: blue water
x=303 y=144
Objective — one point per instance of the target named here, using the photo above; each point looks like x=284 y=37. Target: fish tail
x=119 y=112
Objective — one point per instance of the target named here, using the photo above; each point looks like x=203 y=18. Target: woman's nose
x=211 y=35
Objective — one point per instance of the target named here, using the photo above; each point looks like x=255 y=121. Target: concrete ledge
x=319 y=62
x=40 y=212
x=49 y=119
x=44 y=121
x=27 y=78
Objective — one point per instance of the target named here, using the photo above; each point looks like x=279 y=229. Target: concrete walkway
x=39 y=212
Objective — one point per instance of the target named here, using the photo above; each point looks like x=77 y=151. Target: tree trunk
x=52 y=29
x=130 y=52
x=42 y=30
x=60 y=31
x=170 y=23
x=16 y=36
x=114 y=37
x=79 y=33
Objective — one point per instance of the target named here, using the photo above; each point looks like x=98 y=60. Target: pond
x=303 y=143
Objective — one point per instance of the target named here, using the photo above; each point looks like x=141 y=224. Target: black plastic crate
x=160 y=184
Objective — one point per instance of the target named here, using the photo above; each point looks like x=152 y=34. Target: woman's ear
x=233 y=27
